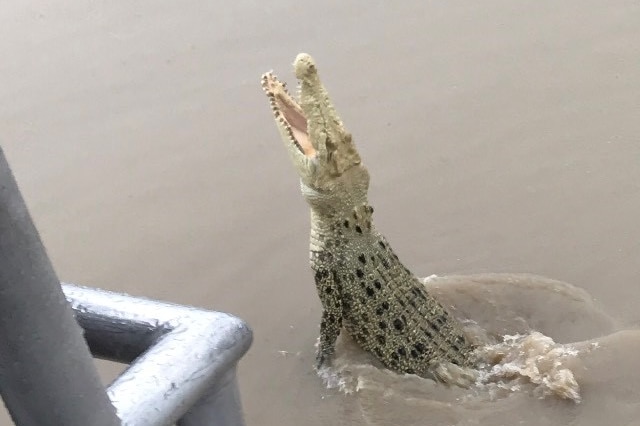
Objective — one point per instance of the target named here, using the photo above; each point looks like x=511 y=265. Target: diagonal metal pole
x=47 y=374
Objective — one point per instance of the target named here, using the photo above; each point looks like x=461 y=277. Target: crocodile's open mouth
x=288 y=113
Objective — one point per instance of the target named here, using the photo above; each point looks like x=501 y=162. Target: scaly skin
x=362 y=285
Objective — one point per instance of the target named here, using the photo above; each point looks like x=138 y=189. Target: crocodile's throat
x=288 y=113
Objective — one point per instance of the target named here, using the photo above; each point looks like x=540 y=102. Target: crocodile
x=363 y=287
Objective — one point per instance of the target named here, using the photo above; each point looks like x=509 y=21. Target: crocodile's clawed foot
x=323 y=360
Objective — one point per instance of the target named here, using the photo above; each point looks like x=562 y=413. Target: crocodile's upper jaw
x=320 y=148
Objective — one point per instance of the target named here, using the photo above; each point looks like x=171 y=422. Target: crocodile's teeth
x=287 y=112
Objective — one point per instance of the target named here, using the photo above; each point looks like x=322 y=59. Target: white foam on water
x=531 y=363
x=529 y=359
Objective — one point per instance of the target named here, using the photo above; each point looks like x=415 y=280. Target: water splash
x=529 y=359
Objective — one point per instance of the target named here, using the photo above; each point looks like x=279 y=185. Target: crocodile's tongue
x=298 y=123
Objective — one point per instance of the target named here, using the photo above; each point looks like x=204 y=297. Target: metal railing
x=183 y=359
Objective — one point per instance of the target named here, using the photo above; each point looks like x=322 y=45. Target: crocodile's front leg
x=331 y=323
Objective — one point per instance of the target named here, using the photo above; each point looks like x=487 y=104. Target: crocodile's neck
x=339 y=243
x=343 y=228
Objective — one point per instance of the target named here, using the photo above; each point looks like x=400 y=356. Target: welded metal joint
x=183 y=359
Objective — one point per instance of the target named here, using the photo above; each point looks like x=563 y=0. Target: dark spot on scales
x=358 y=229
x=346 y=223
x=419 y=294
x=321 y=274
x=381 y=339
x=370 y=292
x=362 y=259
x=382 y=325
x=402 y=351
x=398 y=324
x=377 y=284
x=359 y=273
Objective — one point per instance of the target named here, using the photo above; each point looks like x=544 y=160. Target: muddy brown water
x=501 y=137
